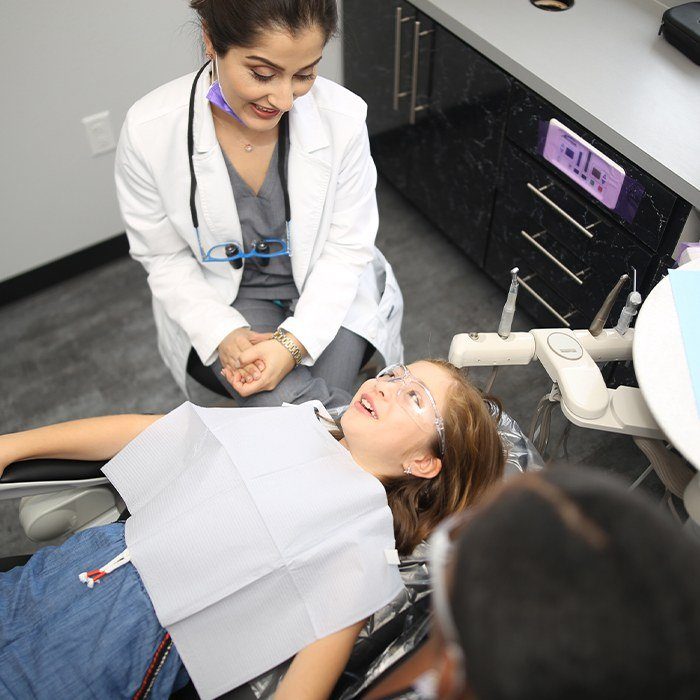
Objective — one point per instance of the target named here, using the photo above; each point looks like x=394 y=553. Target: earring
x=407 y=470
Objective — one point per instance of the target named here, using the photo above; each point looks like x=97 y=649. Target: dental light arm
x=570 y=358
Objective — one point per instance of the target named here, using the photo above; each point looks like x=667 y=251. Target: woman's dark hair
x=240 y=22
x=473 y=461
x=567 y=586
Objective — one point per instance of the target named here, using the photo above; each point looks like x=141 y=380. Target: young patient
x=422 y=432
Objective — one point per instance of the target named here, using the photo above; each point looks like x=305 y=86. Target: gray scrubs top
x=262 y=216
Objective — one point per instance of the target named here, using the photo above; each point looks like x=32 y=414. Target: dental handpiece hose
x=506 y=321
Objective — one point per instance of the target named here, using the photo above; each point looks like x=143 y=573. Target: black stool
x=204 y=375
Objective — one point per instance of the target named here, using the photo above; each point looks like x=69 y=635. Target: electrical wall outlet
x=98 y=128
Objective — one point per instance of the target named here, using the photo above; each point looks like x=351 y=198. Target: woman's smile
x=264 y=112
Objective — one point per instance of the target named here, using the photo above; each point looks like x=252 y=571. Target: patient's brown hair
x=474 y=460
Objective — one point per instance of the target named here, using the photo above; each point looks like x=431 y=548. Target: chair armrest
x=33 y=470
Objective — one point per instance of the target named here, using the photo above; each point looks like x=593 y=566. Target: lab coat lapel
x=309 y=172
x=215 y=202
x=308 y=175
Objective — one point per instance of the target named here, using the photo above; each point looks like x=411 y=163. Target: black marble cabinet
x=371 y=39
x=570 y=271
x=656 y=203
x=571 y=249
x=457 y=143
x=446 y=161
x=461 y=139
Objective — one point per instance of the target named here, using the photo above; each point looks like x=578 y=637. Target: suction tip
x=515 y=271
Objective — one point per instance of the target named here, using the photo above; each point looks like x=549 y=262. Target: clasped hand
x=253 y=362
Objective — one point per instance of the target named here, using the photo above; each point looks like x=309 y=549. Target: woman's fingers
x=245 y=375
x=253 y=372
x=246 y=388
x=228 y=375
x=256 y=337
x=242 y=345
x=233 y=345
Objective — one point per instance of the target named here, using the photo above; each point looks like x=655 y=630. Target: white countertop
x=662 y=369
x=602 y=63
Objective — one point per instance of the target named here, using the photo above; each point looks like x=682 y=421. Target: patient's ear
x=425 y=465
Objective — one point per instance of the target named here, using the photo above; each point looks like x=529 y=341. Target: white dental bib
x=255 y=533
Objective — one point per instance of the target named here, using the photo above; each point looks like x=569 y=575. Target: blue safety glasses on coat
x=232 y=252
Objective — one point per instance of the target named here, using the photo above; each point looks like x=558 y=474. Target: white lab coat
x=343 y=279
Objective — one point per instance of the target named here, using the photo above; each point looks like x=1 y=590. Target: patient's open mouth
x=364 y=405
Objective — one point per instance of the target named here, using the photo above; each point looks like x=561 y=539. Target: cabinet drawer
x=528 y=111
x=590 y=245
x=542 y=302
x=582 y=280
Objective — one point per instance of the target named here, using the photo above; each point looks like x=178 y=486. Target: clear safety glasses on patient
x=232 y=251
x=415 y=398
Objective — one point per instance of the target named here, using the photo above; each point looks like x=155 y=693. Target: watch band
x=292 y=348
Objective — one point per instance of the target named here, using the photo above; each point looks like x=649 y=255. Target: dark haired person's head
x=264 y=52
x=566 y=586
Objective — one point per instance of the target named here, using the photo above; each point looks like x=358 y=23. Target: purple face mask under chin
x=216 y=97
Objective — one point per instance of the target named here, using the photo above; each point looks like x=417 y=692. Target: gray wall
x=62 y=61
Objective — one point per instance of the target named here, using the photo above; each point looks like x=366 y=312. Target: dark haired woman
x=269 y=225
x=420 y=439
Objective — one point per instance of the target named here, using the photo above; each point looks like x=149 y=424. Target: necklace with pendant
x=247 y=146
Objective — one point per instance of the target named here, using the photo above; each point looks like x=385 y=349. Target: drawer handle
x=583 y=229
x=417 y=34
x=398 y=21
x=551 y=257
x=538 y=298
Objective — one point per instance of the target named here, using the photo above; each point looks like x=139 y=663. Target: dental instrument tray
x=680 y=26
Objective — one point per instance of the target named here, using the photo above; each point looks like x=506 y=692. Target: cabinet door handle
x=417 y=34
x=399 y=19
x=551 y=257
x=583 y=229
x=538 y=298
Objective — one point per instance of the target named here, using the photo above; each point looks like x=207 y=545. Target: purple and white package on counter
x=590 y=169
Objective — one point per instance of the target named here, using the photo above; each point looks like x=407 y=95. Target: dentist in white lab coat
x=338 y=295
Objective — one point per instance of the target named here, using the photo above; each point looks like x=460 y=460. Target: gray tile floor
x=88 y=347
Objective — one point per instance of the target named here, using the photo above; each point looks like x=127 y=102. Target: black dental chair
x=391 y=632
x=390 y=636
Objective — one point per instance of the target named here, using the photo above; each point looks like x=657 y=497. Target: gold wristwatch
x=281 y=337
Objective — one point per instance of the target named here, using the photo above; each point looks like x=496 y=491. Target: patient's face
x=381 y=430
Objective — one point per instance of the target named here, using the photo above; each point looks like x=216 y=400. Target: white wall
x=332 y=64
x=62 y=61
